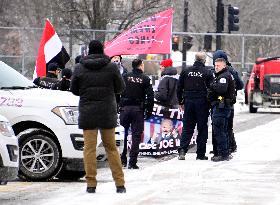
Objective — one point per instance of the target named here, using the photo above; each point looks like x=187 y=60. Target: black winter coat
x=46 y=82
x=138 y=90
x=166 y=93
x=223 y=85
x=96 y=81
x=193 y=82
x=63 y=85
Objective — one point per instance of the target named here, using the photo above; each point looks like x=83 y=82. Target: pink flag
x=50 y=50
x=151 y=36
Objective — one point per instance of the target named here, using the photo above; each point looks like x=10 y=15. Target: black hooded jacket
x=96 y=81
x=166 y=93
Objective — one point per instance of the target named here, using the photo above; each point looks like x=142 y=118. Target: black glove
x=148 y=114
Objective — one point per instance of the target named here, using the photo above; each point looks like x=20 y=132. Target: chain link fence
x=19 y=47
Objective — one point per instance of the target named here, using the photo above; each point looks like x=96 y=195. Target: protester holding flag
x=96 y=80
x=50 y=51
x=137 y=98
x=118 y=61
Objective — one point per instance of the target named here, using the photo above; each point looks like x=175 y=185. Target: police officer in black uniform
x=192 y=92
x=51 y=78
x=222 y=98
x=137 y=99
x=238 y=86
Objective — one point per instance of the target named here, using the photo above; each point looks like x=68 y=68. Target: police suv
x=45 y=122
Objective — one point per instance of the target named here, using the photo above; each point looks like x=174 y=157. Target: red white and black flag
x=50 y=50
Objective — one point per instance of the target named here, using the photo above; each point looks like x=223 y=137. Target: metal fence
x=19 y=47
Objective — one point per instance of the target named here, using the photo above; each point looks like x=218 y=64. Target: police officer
x=51 y=78
x=137 y=98
x=238 y=86
x=222 y=97
x=192 y=92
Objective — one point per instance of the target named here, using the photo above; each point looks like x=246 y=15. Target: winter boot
x=133 y=166
x=221 y=158
x=91 y=190
x=181 y=154
x=121 y=189
x=202 y=158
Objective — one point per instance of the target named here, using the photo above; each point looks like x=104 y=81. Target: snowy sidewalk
x=251 y=177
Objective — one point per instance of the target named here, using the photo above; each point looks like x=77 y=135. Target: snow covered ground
x=251 y=177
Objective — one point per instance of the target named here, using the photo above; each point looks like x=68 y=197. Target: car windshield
x=10 y=78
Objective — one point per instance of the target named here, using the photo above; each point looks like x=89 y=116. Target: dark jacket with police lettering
x=96 y=80
x=46 y=82
x=139 y=90
x=166 y=93
x=193 y=82
x=223 y=85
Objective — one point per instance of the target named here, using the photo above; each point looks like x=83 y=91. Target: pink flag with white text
x=150 y=36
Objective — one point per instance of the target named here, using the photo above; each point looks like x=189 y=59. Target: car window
x=9 y=77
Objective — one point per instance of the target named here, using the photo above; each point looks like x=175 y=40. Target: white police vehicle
x=45 y=122
x=8 y=152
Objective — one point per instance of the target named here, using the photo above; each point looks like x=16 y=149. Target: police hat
x=220 y=54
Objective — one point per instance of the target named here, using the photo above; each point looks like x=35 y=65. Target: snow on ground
x=251 y=177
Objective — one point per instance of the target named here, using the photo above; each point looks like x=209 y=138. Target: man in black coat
x=137 y=98
x=192 y=92
x=96 y=80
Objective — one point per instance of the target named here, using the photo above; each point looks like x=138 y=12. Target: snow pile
x=251 y=177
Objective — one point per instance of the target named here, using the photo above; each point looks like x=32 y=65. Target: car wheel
x=40 y=158
x=252 y=109
x=70 y=175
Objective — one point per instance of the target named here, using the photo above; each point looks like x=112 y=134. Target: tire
x=252 y=109
x=70 y=175
x=39 y=156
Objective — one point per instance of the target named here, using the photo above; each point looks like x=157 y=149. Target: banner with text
x=162 y=133
x=150 y=36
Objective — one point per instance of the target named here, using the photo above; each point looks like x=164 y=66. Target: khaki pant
x=109 y=143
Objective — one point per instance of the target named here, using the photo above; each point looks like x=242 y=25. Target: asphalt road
x=34 y=193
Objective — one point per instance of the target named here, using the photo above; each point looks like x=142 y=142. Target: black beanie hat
x=95 y=47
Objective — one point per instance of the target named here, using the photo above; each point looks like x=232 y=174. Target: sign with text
x=162 y=133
